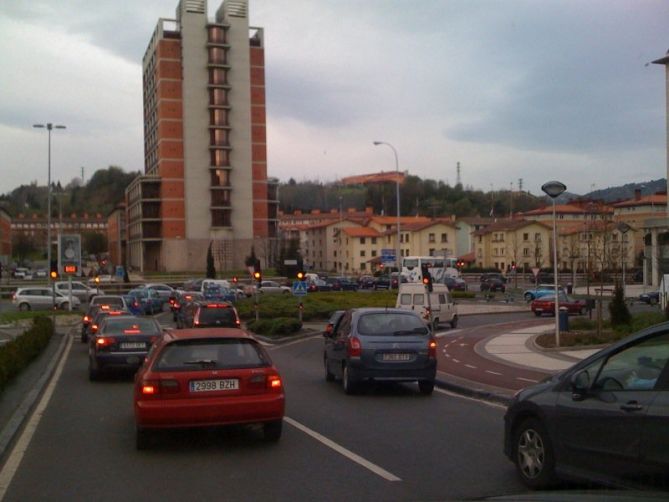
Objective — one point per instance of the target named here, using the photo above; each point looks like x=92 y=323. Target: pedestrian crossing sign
x=299 y=288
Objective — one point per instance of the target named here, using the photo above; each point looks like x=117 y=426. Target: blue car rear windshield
x=227 y=353
x=390 y=323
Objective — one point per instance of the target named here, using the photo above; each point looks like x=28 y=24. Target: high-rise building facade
x=205 y=175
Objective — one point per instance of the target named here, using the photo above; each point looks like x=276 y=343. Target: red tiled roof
x=507 y=225
x=646 y=200
x=361 y=232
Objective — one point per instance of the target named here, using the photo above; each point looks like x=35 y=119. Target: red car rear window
x=224 y=353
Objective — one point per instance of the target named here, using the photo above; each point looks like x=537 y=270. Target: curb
x=15 y=423
x=474 y=393
x=304 y=333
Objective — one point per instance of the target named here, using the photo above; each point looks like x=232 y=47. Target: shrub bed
x=583 y=331
x=463 y=294
x=18 y=353
x=278 y=327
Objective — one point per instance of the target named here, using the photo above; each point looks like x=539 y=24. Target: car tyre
x=536 y=313
x=435 y=324
x=349 y=384
x=329 y=376
x=426 y=387
x=142 y=439
x=24 y=307
x=454 y=322
x=533 y=455
x=272 y=431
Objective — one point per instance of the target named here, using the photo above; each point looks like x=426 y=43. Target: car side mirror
x=580 y=383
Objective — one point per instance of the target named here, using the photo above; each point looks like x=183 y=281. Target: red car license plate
x=214 y=385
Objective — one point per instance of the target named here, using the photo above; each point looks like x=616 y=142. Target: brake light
x=238 y=322
x=94 y=328
x=353 y=347
x=149 y=388
x=87 y=319
x=176 y=305
x=104 y=307
x=105 y=341
x=274 y=382
x=432 y=348
x=132 y=331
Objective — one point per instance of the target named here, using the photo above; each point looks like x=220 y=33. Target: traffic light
x=70 y=269
x=53 y=269
x=427 y=278
x=257 y=272
x=301 y=276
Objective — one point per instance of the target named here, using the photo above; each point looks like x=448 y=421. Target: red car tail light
x=86 y=319
x=105 y=341
x=149 y=388
x=432 y=348
x=353 y=347
x=274 y=383
x=169 y=386
x=328 y=329
x=94 y=328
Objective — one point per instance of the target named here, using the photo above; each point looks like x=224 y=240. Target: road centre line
x=527 y=380
x=379 y=471
x=470 y=366
x=493 y=372
x=19 y=450
x=454 y=360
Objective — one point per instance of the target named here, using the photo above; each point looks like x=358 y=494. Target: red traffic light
x=234 y=279
x=70 y=269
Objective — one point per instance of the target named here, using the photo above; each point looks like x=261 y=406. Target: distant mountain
x=627 y=191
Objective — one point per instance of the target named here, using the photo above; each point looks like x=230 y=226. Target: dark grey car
x=603 y=420
x=382 y=345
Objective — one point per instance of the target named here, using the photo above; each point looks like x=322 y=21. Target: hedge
x=279 y=326
x=18 y=353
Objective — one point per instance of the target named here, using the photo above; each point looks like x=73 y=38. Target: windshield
x=383 y=324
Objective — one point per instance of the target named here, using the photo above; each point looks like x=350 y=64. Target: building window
x=362 y=253
x=537 y=237
x=431 y=252
x=373 y=252
x=362 y=240
x=444 y=237
x=526 y=251
x=362 y=266
x=373 y=240
x=526 y=237
x=430 y=239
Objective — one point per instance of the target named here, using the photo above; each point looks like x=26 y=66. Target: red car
x=546 y=305
x=207 y=377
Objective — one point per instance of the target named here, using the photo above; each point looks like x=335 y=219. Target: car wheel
x=454 y=322
x=65 y=306
x=142 y=439
x=272 y=430
x=329 y=376
x=536 y=313
x=652 y=301
x=435 y=324
x=533 y=454
x=426 y=387
x=348 y=382
x=24 y=307
x=529 y=297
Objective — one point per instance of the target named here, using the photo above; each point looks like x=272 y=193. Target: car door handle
x=631 y=406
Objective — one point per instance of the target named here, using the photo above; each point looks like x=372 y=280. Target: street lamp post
x=397 y=169
x=49 y=126
x=623 y=228
x=553 y=189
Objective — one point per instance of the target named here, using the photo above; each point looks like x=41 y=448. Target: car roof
x=195 y=333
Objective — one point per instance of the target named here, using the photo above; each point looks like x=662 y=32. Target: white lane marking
x=460 y=396
x=16 y=456
x=470 y=366
x=527 y=380
x=379 y=471
x=455 y=360
x=493 y=372
x=447 y=333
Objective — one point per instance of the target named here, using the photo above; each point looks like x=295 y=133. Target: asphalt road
x=388 y=443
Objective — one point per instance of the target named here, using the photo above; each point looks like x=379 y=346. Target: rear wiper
x=202 y=362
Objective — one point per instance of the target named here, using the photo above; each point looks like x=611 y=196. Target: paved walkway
x=518 y=348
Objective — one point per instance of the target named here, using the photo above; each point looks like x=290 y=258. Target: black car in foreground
x=604 y=420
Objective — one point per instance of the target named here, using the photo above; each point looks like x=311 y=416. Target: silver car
x=41 y=298
x=83 y=292
x=380 y=344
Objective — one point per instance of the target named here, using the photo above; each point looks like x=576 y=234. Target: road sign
x=69 y=251
x=299 y=288
x=387 y=256
x=535 y=271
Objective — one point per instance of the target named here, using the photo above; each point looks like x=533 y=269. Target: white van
x=412 y=296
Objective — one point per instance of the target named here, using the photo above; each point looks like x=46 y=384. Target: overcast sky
x=511 y=89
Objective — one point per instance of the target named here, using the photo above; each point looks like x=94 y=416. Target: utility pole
x=511 y=202
x=458 y=178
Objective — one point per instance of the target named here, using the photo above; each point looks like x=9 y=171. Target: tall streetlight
x=48 y=126
x=623 y=228
x=553 y=189
x=397 y=169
